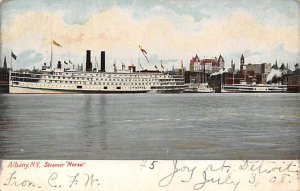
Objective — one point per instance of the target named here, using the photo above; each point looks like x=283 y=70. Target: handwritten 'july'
x=207 y=176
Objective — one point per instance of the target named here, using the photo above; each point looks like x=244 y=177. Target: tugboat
x=198 y=88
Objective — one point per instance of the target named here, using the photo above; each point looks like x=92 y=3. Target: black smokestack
x=102 y=61
x=88 y=65
x=59 y=65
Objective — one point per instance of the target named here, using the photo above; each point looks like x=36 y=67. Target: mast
x=181 y=67
x=139 y=61
x=51 y=57
x=202 y=80
x=203 y=71
x=11 y=60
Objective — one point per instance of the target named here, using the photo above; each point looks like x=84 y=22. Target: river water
x=150 y=126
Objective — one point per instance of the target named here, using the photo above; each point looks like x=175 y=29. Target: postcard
x=149 y=95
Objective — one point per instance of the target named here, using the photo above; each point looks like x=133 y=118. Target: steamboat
x=59 y=80
x=254 y=88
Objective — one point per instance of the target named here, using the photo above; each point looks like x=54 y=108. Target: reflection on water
x=94 y=128
x=144 y=126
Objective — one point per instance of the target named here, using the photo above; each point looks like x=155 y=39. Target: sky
x=170 y=31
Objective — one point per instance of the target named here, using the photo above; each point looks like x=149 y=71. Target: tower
x=242 y=62
x=5 y=63
x=232 y=66
x=221 y=62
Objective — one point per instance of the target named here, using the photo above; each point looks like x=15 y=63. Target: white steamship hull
x=58 y=80
x=259 y=88
x=61 y=82
x=27 y=90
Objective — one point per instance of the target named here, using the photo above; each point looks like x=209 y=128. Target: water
x=150 y=126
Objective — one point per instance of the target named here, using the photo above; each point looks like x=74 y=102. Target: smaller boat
x=254 y=88
x=198 y=88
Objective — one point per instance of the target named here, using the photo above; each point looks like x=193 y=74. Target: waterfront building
x=250 y=73
x=242 y=62
x=4 y=77
x=293 y=82
x=200 y=69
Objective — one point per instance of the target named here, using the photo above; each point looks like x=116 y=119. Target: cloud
x=282 y=55
x=241 y=31
x=250 y=53
x=163 y=32
x=28 y=59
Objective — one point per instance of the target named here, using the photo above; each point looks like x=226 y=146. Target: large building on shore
x=4 y=77
x=200 y=69
x=248 y=73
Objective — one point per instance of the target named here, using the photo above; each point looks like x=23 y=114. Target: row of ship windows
x=98 y=83
x=93 y=75
x=80 y=87
x=113 y=75
x=101 y=79
x=172 y=83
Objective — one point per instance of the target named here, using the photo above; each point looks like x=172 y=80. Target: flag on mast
x=13 y=55
x=144 y=53
x=56 y=44
x=161 y=64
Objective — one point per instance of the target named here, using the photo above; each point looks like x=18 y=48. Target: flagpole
x=139 y=60
x=51 y=56
x=11 y=60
